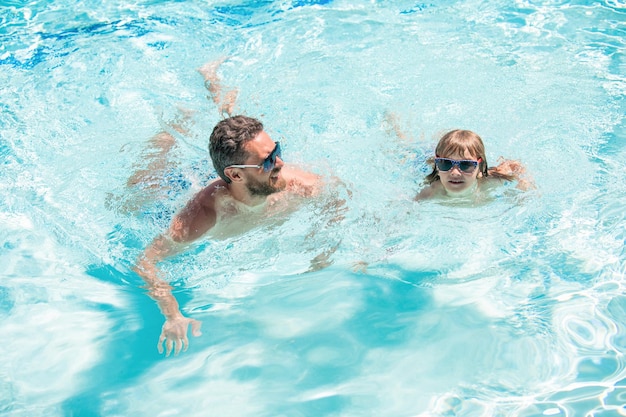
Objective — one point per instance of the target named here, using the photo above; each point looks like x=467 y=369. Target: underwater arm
x=332 y=211
x=393 y=125
x=174 y=330
x=196 y=218
x=225 y=101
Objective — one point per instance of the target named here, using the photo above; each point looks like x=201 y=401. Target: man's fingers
x=185 y=343
x=181 y=343
x=160 y=343
x=168 y=347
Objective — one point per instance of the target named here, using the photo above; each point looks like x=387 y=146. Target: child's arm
x=511 y=170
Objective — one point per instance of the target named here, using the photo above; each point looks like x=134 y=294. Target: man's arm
x=174 y=330
x=302 y=183
x=191 y=223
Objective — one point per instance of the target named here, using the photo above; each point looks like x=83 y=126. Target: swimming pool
x=515 y=307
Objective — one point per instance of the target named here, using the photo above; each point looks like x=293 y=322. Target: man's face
x=259 y=182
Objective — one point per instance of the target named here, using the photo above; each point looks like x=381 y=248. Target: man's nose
x=279 y=162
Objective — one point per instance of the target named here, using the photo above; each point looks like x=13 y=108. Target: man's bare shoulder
x=300 y=181
x=199 y=214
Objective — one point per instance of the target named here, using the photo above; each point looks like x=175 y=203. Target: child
x=460 y=168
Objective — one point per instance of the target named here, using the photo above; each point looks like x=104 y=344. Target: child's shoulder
x=429 y=191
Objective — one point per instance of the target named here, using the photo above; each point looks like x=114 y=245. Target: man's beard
x=263 y=189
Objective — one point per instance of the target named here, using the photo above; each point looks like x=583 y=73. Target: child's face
x=455 y=181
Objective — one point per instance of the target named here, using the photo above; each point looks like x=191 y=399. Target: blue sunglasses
x=268 y=163
x=446 y=164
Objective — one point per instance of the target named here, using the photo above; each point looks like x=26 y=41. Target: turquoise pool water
x=516 y=307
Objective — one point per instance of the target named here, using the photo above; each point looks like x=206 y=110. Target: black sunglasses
x=268 y=163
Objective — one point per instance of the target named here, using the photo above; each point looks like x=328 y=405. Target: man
x=253 y=177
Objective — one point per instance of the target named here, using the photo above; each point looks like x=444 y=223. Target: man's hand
x=174 y=334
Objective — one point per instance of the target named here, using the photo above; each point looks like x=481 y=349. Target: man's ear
x=234 y=174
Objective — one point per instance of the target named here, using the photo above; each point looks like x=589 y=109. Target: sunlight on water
x=513 y=306
x=48 y=311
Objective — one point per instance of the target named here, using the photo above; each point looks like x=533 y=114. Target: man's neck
x=243 y=195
